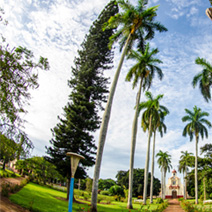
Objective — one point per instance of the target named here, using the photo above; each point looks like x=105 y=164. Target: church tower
x=174 y=188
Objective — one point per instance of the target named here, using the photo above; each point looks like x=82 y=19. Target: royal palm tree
x=150 y=116
x=185 y=160
x=161 y=127
x=164 y=162
x=204 y=78
x=142 y=72
x=135 y=24
x=196 y=127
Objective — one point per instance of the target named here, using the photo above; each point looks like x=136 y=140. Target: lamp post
x=209 y=12
x=75 y=158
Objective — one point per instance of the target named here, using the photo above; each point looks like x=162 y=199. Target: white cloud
x=55 y=29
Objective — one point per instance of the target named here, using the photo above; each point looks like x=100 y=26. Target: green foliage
x=187 y=206
x=105 y=184
x=8 y=148
x=8 y=188
x=107 y=193
x=138 y=179
x=18 y=74
x=203 y=78
x=7 y=173
x=38 y=169
x=159 y=200
x=116 y=190
x=74 y=132
x=89 y=182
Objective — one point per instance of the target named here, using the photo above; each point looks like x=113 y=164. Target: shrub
x=116 y=190
x=5 y=189
x=107 y=193
x=99 y=199
x=180 y=199
x=140 y=197
x=159 y=201
x=187 y=206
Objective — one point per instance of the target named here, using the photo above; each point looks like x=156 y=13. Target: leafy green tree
x=18 y=74
x=143 y=72
x=138 y=180
x=206 y=169
x=204 y=78
x=116 y=190
x=74 y=132
x=136 y=24
x=164 y=162
x=106 y=184
x=38 y=169
x=185 y=161
x=151 y=115
x=157 y=124
x=197 y=126
x=89 y=182
x=8 y=149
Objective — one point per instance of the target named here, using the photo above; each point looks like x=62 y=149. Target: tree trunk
x=196 y=179
x=204 y=184
x=164 y=185
x=147 y=162
x=4 y=163
x=185 y=183
x=152 y=170
x=133 y=144
x=103 y=130
x=162 y=182
x=68 y=188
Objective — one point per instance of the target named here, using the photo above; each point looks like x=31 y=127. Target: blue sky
x=55 y=29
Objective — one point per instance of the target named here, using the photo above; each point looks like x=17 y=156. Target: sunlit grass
x=8 y=173
x=43 y=199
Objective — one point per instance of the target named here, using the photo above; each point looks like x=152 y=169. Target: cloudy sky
x=56 y=28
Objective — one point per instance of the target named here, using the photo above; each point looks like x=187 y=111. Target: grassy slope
x=8 y=173
x=39 y=198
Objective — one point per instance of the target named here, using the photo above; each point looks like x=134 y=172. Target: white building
x=174 y=187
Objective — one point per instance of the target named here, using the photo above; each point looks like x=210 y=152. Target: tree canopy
x=74 y=132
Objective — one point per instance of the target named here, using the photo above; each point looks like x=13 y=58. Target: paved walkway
x=174 y=206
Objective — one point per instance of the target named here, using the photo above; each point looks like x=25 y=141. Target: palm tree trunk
x=196 y=179
x=204 y=184
x=152 y=170
x=103 y=130
x=162 y=182
x=164 y=185
x=185 y=183
x=147 y=162
x=133 y=143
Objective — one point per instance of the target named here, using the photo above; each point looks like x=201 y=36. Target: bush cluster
x=190 y=207
x=8 y=188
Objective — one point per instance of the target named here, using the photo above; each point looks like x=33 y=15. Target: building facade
x=174 y=187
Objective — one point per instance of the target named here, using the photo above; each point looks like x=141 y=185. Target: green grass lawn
x=42 y=199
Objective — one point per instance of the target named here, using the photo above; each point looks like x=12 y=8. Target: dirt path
x=174 y=206
x=5 y=204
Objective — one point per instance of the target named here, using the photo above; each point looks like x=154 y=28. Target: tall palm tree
x=142 y=72
x=184 y=162
x=161 y=127
x=196 y=127
x=204 y=78
x=150 y=116
x=164 y=161
x=135 y=24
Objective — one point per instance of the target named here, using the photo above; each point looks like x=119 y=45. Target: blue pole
x=71 y=192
